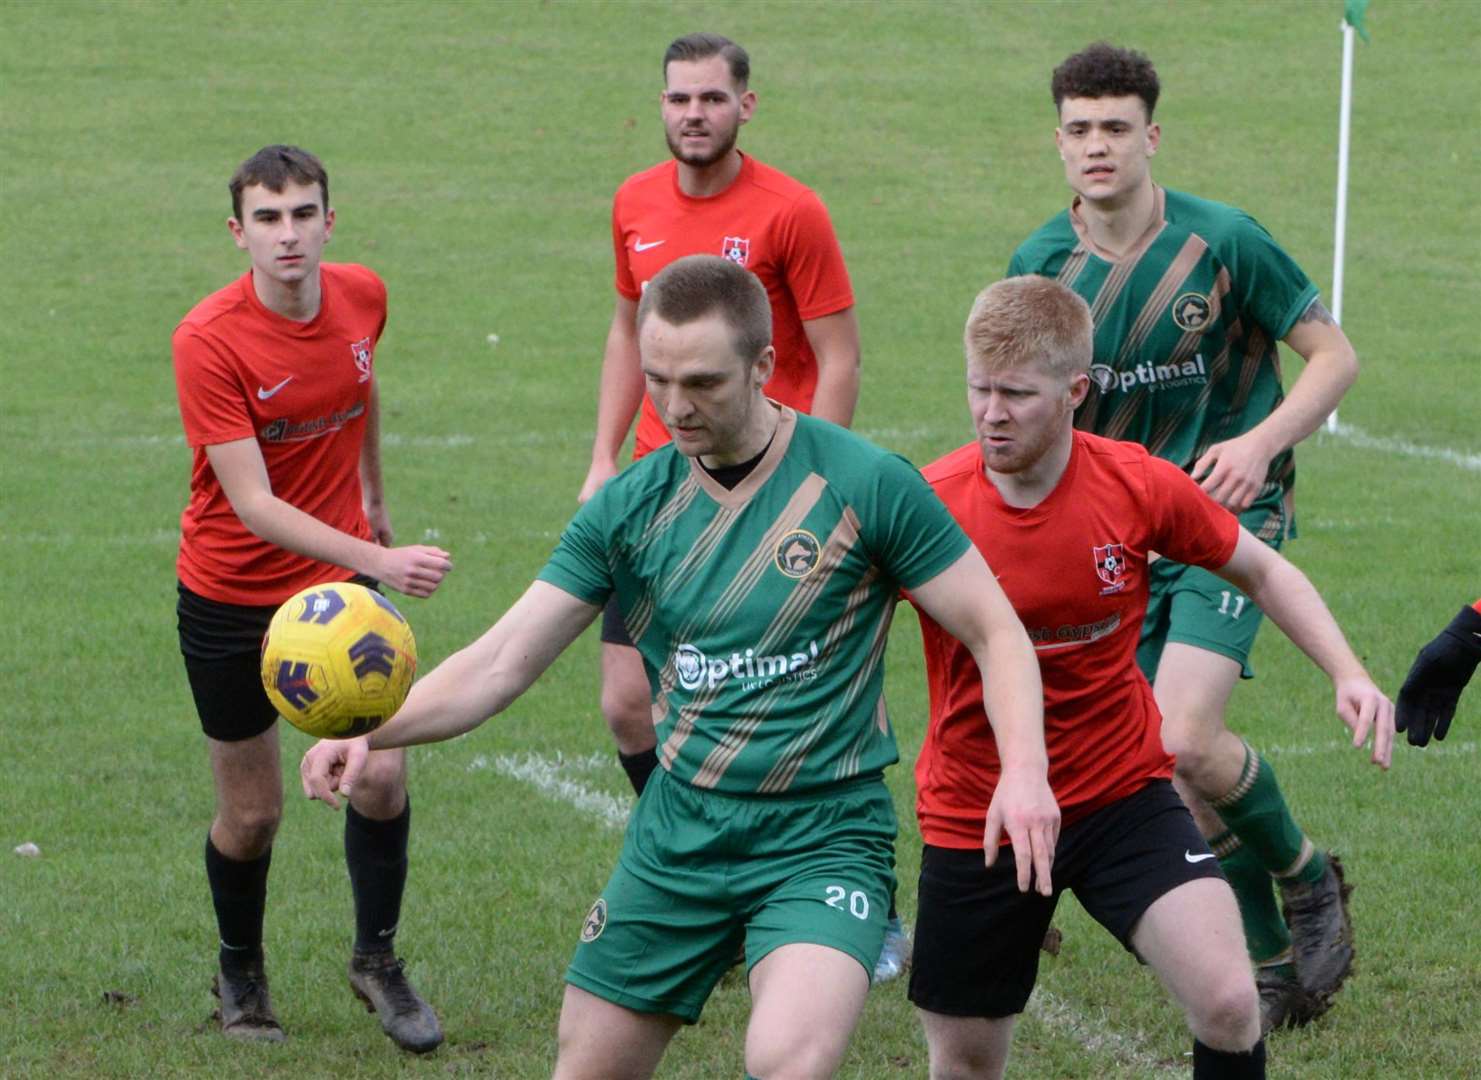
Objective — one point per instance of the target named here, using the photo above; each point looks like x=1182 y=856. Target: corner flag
x=1353 y=14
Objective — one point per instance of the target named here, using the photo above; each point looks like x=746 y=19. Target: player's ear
x=1154 y=138
x=1059 y=142
x=328 y=223
x=747 y=105
x=1079 y=387
x=238 y=234
x=764 y=365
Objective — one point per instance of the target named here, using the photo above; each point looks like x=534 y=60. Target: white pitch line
x=1359 y=437
x=1096 y=1037
x=546 y=777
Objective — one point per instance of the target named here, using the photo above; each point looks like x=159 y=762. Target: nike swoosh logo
x=638 y=245
x=1197 y=858
x=263 y=395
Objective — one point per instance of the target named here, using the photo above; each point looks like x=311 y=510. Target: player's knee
x=1195 y=753
x=628 y=712
x=961 y=1063
x=1227 y=1014
x=250 y=829
x=381 y=787
x=808 y=1057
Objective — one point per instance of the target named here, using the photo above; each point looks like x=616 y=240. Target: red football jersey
x=300 y=389
x=766 y=221
x=1075 y=569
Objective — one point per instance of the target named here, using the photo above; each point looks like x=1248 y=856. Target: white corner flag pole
x=1343 y=137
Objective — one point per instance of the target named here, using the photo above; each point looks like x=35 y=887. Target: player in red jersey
x=1068 y=520
x=275 y=375
x=711 y=199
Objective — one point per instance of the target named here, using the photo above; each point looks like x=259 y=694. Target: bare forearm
x=834 y=340
x=1013 y=694
x=621 y=389
x=1285 y=594
x=283 y=524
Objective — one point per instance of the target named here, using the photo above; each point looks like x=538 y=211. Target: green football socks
x=1256 y=812
x=1265 y=932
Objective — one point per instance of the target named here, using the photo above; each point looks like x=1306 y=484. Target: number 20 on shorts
x=857 y=904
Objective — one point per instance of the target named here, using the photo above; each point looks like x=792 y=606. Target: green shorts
x=1194 y=606
x=701 y=871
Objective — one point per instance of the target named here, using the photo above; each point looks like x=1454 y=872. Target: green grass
x=473 y=150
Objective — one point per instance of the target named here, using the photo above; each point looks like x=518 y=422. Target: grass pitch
x=473 y=150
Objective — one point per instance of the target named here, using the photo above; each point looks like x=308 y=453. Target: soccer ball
x=338 y=660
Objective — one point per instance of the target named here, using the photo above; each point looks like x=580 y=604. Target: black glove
x=1440 y=672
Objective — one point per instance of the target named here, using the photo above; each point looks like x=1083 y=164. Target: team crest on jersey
x=1191 y=311
x=797 y=553
x=360 y=350
x=737 y=249
x=1110 y=565
x=595 y=922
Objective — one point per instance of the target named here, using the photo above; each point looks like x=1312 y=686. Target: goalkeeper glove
x=1440 y=672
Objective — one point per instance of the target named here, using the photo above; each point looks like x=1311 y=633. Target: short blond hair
x=1030 y=320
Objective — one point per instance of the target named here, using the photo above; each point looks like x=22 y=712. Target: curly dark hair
x=1102 y=70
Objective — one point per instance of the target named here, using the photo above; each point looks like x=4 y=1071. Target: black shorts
x=977 y=937
x=614 y=630
x=222 y=647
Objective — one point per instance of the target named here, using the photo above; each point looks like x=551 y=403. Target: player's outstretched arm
x=463 y=691
x=1428 y=698
x=619 y=394
x=1232 y=472
x=968 y=603
x=835 y=344
x=1286 y=594
x=415 y=570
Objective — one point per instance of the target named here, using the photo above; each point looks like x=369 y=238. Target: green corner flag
x=1354 y=13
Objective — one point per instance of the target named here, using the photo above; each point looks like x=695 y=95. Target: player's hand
x=1365 y=711
x=1440 y=672
x=380 y=523
x=1024 y=807
x=415 y=570
x=599 y=473
x=333 y=765
x=1232 y=472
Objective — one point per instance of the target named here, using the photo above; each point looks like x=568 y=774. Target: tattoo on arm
x=1315 y=312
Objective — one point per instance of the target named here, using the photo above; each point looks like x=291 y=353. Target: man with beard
x=711 y=199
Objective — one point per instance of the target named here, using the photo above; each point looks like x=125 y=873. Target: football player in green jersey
x=756 y=560
x=1189 y=299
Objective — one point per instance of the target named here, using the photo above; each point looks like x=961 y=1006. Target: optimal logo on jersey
x=797 y=554
x=696 y=670
x=737 y=249
x=360 y=350
x=1110 y=565
x=1191 y=311
x=595 y=922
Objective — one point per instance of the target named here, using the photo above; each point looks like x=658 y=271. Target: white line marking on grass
x=1344 y=746
x=549 y=778
x=439 y=442
x=1126 y=1048
x=1359 y=437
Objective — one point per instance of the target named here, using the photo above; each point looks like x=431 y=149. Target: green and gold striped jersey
x=1186 y=325
x=762 y=612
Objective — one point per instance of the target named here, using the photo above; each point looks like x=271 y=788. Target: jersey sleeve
x=1187 y=525
x=626 y=284
x=213 y=405
x=816 y=275
x=909 y=531
x=578 y=565
x=1016 y=265
x=1265 y=280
